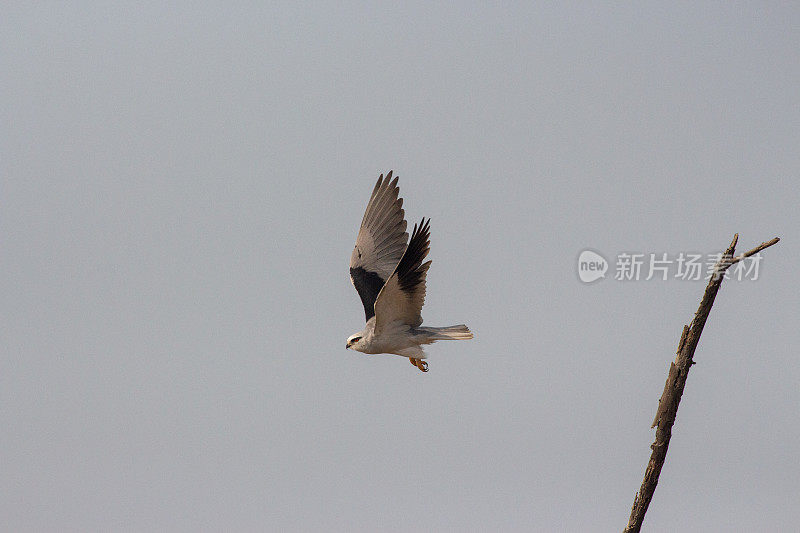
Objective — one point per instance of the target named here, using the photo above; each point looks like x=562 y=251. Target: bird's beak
x=347 y=347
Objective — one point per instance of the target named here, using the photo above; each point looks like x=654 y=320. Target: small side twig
x=751 y=252
x=676 y=381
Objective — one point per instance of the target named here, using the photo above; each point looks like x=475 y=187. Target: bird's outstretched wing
x=403 y=295
x=380 y=243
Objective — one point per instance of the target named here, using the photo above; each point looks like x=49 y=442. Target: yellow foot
x=419 y=363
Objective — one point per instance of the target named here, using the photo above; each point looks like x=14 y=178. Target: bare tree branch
x=676 y=381
x=751 y=252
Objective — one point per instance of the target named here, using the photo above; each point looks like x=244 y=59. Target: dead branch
x=676 y=381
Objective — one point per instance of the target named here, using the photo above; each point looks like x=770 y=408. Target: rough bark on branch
x=676 y=381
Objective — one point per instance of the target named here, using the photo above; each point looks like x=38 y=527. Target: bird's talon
x=423 y=365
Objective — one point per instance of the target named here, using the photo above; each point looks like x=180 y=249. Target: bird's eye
x=357 y=339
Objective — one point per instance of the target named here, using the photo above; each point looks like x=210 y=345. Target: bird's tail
x=450 y=333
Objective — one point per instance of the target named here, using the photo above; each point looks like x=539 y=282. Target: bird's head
x=356 y=341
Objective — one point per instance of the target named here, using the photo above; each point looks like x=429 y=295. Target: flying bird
x=390 y=279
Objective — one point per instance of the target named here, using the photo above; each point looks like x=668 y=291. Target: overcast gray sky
x=181 y=190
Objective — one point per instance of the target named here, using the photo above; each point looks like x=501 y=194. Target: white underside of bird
x=390 y=279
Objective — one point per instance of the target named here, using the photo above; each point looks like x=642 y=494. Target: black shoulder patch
x=368 y=285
